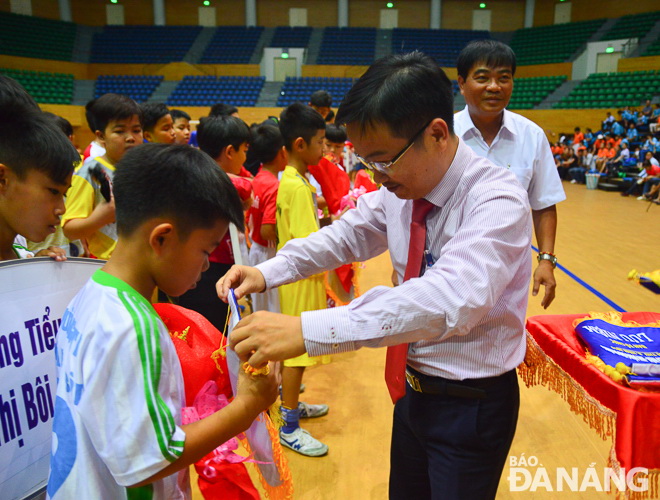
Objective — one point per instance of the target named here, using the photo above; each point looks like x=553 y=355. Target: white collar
x=508 y=124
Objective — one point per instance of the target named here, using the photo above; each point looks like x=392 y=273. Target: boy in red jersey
x=329 y=173
x=267 y=147
x=226 y=140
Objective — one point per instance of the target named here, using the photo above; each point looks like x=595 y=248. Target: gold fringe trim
x=539 y=369
x=616 y=373
x=652 y=478
x=285 y=490
x=614 y=318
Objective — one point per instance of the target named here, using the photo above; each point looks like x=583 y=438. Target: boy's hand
x=247 y=203
x=55 y=253
x=244 y=280
x=105 y=211
x=265 y=336
x=258 y=392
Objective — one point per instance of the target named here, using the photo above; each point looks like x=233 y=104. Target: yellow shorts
x=305 y=360
x=296 y=298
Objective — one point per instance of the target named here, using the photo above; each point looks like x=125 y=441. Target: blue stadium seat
x=347 y=46
x=232 y=45
x=442 y=45
x=139 y=88
x=287 y=36
x=300 y=89
x=209 y=90
x=143 y=44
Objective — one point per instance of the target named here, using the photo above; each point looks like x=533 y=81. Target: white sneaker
x=312 y=411
x=639 y=198
x=573 y=181
x=302 y=442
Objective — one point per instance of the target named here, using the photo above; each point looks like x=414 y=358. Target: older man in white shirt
x=458 y=229
x=485 y=76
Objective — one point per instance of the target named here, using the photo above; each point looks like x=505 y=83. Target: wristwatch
x=547 y=256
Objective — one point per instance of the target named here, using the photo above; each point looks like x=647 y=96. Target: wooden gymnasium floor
x=601 y=237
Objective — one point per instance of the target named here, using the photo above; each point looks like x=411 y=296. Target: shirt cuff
x=327 y=331
x=276 y=272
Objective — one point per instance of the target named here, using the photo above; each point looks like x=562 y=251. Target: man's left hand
x=266 y=336
x=544 y=275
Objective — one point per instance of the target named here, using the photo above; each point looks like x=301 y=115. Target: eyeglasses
x=385 y=167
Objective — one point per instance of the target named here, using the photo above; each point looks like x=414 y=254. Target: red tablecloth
x=555 y=352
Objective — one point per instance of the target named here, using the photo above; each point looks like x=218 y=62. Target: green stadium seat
x=46 y=38
x=45 y=87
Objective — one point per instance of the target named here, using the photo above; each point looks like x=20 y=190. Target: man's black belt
x=469 y=388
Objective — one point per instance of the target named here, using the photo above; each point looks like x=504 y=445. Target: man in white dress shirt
x=463 y=319
x=485 y=76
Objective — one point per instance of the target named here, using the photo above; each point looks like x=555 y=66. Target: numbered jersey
x=119 y=398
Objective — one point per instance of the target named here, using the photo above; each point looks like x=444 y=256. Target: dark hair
x=215 y=133
x=489 y=52
x=222 y=109
x=14 y=95
x=335 y=133
x=110 y=107
x=321 y=99
x=272 y=120
x=265 y=143
x=62 y=123
x=177 y=113
x=30 y=141
x=298 y=120
x=402 y=91
x=330 y=116
x=151 y=113
x=177 y=181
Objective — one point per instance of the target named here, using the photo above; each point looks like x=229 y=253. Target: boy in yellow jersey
x=303 y=130
x=90 y=206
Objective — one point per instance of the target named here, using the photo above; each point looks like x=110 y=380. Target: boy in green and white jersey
x=117 y=426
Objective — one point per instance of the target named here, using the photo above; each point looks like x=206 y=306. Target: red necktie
x=395 y=363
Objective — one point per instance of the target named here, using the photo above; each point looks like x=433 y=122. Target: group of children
x=613 y=155
x=160 y=215
x=276 y=212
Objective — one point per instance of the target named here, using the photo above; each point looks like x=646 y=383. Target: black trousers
x=204 y=299
x=450 y=448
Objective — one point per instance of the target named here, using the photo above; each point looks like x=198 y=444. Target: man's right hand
x=243 y=279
